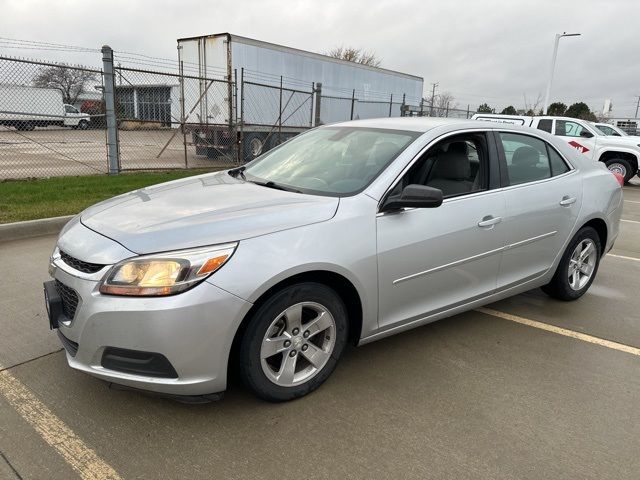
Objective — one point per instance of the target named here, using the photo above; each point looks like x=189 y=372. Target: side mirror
x=586 y=133
x=414 y=196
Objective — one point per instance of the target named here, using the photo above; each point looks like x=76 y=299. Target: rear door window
x=527 y=158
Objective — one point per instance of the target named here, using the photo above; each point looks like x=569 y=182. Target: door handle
x=489 y=221
x=567 y=200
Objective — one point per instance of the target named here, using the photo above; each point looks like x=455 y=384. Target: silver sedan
x=346 y=233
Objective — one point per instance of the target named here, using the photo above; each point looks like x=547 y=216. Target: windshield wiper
x=276 y=186
x=238 y=170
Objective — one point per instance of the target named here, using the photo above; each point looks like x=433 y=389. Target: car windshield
x=336 y=161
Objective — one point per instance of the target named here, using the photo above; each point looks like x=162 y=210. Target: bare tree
x=70 y=81
x=357 y=55
x=533 y=108
x=442 y=103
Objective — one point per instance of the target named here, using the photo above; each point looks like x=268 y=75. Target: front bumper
x=193 y=330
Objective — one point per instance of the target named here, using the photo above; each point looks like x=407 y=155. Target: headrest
x=458 y=147
x=452 y=166
x=525 y=156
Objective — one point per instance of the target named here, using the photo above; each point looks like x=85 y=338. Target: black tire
x=251 y=371
x=24 y=126
x=83 y=124
x=622 y=166
x=253 y=146
x=559 y=286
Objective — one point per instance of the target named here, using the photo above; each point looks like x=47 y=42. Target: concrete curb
x=32 y=228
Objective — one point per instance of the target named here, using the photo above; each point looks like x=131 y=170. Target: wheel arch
x=629 y=156
x=600 y=226
x=345 y=289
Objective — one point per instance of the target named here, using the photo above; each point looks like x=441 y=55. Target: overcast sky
x=494 y=51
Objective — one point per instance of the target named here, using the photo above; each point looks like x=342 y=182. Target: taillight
x=619 y=178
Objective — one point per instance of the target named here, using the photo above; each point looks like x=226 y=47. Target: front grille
x=69 y=345
x=84 y=267
x=69 y=299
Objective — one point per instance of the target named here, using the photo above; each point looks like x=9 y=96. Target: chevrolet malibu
x=346 y=233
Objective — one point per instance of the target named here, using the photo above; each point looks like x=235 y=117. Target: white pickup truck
x=25 y=108
x=619 y=154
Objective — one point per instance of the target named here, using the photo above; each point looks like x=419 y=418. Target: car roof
x=414 y=124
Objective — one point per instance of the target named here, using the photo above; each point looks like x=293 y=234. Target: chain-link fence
x=49 y=127
x=58 y=119
x=338 y=109
x=168 y=121
x=270 y=115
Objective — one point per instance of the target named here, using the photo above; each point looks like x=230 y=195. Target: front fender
x=344 y=245
x=607 y=149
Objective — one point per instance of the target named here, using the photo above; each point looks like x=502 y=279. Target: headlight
x=165 y=273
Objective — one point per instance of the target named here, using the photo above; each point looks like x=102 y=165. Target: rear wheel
x=293 y=342
x=577 y=268
x=621 y=166
x=253 y=146
x=25 y=126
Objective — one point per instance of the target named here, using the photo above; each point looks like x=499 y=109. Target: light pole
x=553 y=65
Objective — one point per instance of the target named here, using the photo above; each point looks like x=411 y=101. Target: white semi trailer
x=251 y=113
x=25 y=108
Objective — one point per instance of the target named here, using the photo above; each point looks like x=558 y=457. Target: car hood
x=203 y=210
x=629 y=141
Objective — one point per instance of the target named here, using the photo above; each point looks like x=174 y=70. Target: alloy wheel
x=298 y=344
x=582 y=264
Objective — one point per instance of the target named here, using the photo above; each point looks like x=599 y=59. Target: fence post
x=280 y=115
x=241 y=138
x=113 y=153
x=390 y=104
x=422 y=106
x=182 y=116
x=353 y=102
x=318 y=102
x=402 y=109
x=313 y=89
x=468 y=111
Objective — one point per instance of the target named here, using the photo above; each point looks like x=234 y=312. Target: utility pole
x=637 y=106
x=433 y=98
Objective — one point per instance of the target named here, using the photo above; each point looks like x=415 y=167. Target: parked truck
x=25 y=108
x=619 y=154
x=275 y=90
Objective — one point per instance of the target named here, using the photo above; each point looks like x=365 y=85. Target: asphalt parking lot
x=47 y=152
x=531 y=388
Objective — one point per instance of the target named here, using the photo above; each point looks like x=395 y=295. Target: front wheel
x=293 y=342
x=621 y=166
x=83 y=125
x=577 y=268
